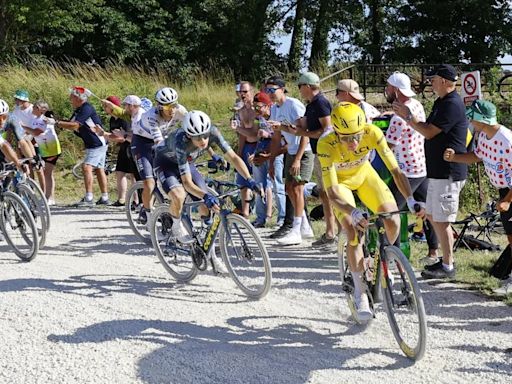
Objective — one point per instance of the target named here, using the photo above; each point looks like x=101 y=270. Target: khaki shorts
x=317 y=171
x=443 y=199
x=306 y=167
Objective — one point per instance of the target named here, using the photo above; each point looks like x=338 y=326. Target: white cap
x=402 y=82
x=132 y=100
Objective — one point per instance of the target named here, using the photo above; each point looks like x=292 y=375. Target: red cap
x=262 y=97
x=114 y=100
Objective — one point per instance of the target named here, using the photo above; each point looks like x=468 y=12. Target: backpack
x=503 y=266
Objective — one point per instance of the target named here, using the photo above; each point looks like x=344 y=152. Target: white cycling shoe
x=364 y=313
x=218 y=264
x=181 y=234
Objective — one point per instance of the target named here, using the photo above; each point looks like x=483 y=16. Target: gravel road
x=95 y=306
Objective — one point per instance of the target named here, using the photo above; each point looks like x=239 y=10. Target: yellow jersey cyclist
x=344 y=157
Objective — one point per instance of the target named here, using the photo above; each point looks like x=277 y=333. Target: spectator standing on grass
x=315 y=124
x=261 y=105
x=121 y=134
x=494 y=149
x=83 y=123
x=445 y=127
x=298 y=163
x=247 y=140
x=43 y=130
x=408 y=147
x=348 y=91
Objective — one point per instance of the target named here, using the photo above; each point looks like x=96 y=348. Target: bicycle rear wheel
x=505 y=87
x=36 y=209
x=176 y=258
x=245 y=256
x=403 y=303
x=18 y=226
x=134 y=211
x=346 y=276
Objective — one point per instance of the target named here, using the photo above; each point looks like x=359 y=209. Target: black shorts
x=125 y=161
x=506 y=216
x=51 y=159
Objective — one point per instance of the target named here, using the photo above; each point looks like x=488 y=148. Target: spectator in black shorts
x=125 y=166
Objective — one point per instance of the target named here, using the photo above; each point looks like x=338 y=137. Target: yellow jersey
x=339 y=165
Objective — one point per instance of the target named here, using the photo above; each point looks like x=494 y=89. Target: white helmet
x=196 y=123
x=166 y=96
x=4 y=107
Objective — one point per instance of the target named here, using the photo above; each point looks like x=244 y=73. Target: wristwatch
x=408 y=118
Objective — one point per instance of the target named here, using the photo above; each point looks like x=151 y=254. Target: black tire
x=18 y=226
x=41 y=199
x=132 y=208
x=176 y=258
x=36 y=209
x=245 y=256
x=505 y=87
x=346 y=277
x=403 y=303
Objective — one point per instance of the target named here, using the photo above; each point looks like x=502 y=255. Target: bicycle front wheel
x=78 y=171
x=176 y=258
x=346 y=277
x=36 y=209
x=18 y=226
x=403 y=303
x=134 y=209
x=245 y=256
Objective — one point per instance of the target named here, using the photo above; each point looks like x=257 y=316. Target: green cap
x=21 y=94
x=483 y=111
x=309 y=78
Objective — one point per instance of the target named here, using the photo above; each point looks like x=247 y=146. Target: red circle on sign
x=470 y=91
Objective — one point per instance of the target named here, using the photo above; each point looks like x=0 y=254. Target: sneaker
x=364 y=313
x=437 y=271
x=505 y=289
x=118 y=204
x=257 y=224
x=279 y=223
x=181 y=234
x=306 y=231
x=103 y=201
x=282 y=231
x=324 y=241
x=219 y=266
x=51 y=202
x=420 y=237
x=292 y=238
x=84 y=203
x=430 y=260
x=143 y=217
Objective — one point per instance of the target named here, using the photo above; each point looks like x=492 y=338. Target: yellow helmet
x=347 y=118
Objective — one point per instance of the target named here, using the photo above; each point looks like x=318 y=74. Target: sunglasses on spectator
x=244 y=91
x=258 y=107
x=350 y=138
x=271 y=90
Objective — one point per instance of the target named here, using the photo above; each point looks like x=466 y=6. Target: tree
x=297 y=43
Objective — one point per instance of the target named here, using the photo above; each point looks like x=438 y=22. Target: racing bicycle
x=387 y=275
x=242 y=249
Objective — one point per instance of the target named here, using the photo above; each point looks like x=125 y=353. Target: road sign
x=471 y=88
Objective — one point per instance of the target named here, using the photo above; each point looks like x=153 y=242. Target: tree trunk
x=375 y=17
x=319 y=47
x=295 y=54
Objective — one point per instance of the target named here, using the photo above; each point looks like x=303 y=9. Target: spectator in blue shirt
x=83 y=123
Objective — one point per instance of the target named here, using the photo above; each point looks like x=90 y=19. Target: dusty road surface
x=95 y=306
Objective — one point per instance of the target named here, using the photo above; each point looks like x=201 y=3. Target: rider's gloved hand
x=357 y=216
x=256 y=188
x=413 y=205
x=38 y=161
x=210 y=201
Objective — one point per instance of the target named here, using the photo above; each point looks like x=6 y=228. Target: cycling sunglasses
x=350 y=138
x=201 y=137
x=167 y=107
x=258 y=107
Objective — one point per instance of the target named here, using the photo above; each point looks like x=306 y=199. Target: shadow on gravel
x=503 y=365
x=99 y=286
x=250 y=351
